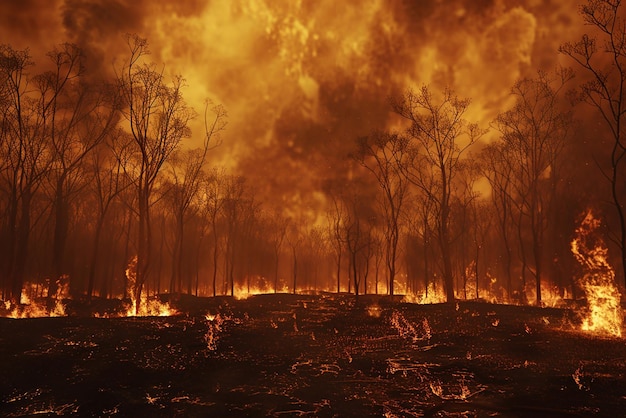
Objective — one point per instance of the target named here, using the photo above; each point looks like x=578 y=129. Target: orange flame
x=244 y=291
x=31 y=308
x=147 y=306
x=604 y=314
x=435 y=294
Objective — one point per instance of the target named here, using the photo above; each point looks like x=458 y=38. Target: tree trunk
x=94 y=257
x=61 y=212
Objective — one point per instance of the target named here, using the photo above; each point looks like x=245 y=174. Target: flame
x=147 y=306
x=150 y=307
x=550 y=296
x=410 y=330
x=244 y=291
x=435 y=294
x=38 y=308
x=604 y=315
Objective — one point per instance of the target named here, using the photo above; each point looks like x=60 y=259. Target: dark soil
x=294 y=355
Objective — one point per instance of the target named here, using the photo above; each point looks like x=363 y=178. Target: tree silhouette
x=438 y=136
x=378 y=154
x=533 y=135
x=603 y=59
x=158 y=120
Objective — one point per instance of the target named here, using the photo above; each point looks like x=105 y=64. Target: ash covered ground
x=313 y=355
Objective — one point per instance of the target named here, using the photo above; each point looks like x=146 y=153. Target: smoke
x=301 y=80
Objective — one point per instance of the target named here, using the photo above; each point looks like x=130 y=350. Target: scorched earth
x=313 y=355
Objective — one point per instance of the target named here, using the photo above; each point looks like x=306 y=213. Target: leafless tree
x=236 y=201
x=603 y=59
x=534 y=134
x=498 y=170
x=213 y=197
x=107 y=182
x=277 y=229
x=26 y=160
x=438 y=136
x=378 y=154
x=158 y=120
x=186 y=169
x=81 y=115
x=294 y=239
x=335 y=217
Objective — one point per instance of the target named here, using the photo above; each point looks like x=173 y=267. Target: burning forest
x=253 y=207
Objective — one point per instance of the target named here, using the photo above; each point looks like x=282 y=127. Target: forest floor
x=308 y=355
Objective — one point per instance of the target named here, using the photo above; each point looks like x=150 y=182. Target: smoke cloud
x=301 y=80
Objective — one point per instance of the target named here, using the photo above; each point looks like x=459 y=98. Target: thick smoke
x=301 y=80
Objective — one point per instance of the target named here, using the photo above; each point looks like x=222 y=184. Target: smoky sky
x=302 y=80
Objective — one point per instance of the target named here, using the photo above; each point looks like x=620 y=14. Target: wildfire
x=604 y=313
x=244 y=291
x=550 y=296
x=434 y=294
x=147 y=306
x=30 y=307
x=150 y=307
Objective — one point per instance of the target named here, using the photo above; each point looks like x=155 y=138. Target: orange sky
x=301 y=79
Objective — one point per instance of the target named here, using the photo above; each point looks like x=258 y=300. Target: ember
x=246 y=357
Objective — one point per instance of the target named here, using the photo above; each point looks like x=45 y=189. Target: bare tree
x=81 y=115
x=107 y=182
x=158 y=120
x=185 y=174
x=294 y=239
x=277 y=229
x=534 y=132
x=236 y=200
x=335 y=217
x=213 y=203
x=498 y=170
x=26 y=161
x=378 y=154
x=603 y=58
x=438 y=136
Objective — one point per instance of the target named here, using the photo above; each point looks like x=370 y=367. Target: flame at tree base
x=150 y=307
x=35 y=304
x=147 y=306
x=604 y=314
x=33 y=309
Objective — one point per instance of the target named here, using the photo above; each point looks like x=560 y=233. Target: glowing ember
x=214 y=327
x=410 y=330
x=604 y=314
x=374 y=310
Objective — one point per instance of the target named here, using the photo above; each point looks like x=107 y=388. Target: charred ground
x=324 y=355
